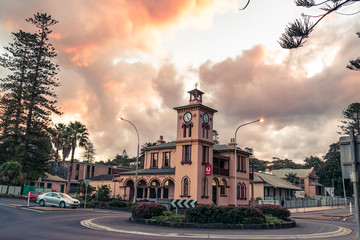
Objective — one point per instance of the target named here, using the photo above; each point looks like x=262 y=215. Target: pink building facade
x=191 y=167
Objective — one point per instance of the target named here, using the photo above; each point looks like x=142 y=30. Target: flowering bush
x=213 y=214
x=147 y=210
x=274 y=210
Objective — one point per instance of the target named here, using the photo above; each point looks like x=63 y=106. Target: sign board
x=177 y=203
x=347 y=155
x=208 y=169
x=87 y=182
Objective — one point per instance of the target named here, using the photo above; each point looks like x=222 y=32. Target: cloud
x=112 y=64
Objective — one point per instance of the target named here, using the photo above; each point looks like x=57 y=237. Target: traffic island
x=285 y=225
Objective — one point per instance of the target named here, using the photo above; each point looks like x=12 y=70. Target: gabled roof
x=275 y=181
x=53 y=178
x=301 y=173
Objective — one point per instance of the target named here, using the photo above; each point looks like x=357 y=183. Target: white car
x=57 y=199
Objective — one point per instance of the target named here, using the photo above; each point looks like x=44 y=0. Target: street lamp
x=235 y=186
x=137 y=159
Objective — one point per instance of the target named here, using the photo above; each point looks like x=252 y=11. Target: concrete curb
x=285 y=225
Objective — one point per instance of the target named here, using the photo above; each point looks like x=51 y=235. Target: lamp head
x=261 y=120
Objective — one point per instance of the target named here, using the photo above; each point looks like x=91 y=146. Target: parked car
x=33 y=195
x=57 y=199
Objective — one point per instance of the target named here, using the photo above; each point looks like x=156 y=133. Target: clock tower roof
x=196 y=101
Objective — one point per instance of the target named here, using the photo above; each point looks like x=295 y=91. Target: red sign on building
x=208 y=169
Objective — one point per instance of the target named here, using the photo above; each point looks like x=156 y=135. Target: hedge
x=232 y=215
x=147 y=210
x=274 y=210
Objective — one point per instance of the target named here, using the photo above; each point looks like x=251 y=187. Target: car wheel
x=42 y=203
x=62 y=204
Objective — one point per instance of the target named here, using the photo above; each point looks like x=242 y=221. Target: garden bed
x=289 y=224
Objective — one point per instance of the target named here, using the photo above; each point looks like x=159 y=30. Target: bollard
x=28 y=200
x=350 y=208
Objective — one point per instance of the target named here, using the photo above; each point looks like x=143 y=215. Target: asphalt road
x=20 y=222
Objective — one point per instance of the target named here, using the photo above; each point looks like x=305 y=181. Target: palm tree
x=77 y=135
x=292 y=177
x=58 y=139
x=10 y=173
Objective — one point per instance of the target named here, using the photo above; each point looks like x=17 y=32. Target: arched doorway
x=168 y=189
x=142 y=189
x=129 y=190
x=215 y=184
x=155 y=190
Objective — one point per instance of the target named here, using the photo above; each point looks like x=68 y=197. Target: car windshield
x=63 y=195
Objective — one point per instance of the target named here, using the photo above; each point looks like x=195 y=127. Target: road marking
x=34 y=210
x=7 y=205
x=341 y=231
x=20 y=206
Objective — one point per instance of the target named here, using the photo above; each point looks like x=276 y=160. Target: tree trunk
x=70 y=169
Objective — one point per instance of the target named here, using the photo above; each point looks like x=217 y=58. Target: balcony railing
x=221 y=171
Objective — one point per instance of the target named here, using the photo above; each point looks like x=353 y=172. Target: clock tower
x=194 y=149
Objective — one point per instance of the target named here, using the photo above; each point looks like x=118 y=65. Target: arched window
x=222 y=187
x=238 y=191
x=185 y=187
x=204 y=188
x=243 y=188
x=184 y=130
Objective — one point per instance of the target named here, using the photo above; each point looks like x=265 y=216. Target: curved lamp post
x=137 y=158
x=258 y=120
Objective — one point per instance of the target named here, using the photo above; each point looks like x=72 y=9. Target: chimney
x=160 y=141
x=232 y=142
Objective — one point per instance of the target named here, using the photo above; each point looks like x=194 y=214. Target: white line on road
x=341 y=231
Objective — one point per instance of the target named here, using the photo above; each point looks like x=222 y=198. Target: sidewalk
x=314 y=209
x=337 y=213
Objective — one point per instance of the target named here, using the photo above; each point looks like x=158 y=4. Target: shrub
x=103 y=193
x=213 y=214
x=272 y=219
x=171 y=217
x=117 y=203
x=147 y=210
x=274 y=210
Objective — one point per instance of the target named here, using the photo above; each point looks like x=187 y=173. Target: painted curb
x=285 y=225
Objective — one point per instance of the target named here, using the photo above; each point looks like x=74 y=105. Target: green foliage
x=312 y=161
x=90 y=189
x=147 y=210
x=89 y=152
x=10 y=173
x=118 y=203
x=103 y=193
x=76 y=135
x=272 y=219
x=292 y=177
x=355 y=64
x=214 y=214
x=28 y=98
x=274 y=210
x=216 y=137
x=279 y=163
x=296 y=33
x=352 y=119
x=169 y=216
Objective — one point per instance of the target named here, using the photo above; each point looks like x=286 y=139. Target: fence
x=309 y=201
x=14 y=190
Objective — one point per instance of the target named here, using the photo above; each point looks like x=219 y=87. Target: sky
x=137 y=59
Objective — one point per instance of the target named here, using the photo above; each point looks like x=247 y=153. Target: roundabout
x=304 y=230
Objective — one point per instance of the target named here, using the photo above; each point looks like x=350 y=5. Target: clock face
x=187 y=117
x=206 y=117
